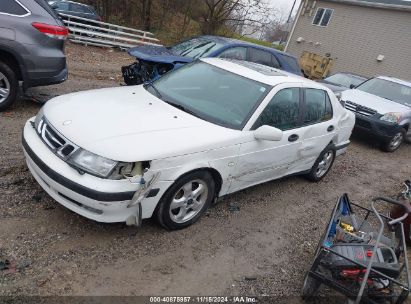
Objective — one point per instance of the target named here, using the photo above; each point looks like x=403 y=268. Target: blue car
x=154 y=61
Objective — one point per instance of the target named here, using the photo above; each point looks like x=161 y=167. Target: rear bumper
x=376 y=127
x=53 y=78
x=44 y=65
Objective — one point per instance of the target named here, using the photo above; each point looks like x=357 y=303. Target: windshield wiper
x=151 y=85
x=185 y=52
x=181 y=107
x=205 y=51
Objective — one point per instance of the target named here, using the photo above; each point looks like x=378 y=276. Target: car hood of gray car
x=381 y=105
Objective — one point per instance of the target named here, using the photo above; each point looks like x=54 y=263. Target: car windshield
x=211 y=93
x=344 y=80
x=195 y=48
x=388 y=89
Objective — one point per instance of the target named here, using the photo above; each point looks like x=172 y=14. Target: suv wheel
x=395 y=142
x=8 y=86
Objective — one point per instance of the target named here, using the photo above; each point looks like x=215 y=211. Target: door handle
x=293 y=137
x=330 y=128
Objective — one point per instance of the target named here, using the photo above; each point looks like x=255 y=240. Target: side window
x=260 y=56
x=239 y=53
x=78 y=8
x=63 y=6
x=322 y=16
x=274 y=62
x=282 y=111
x=317 y=106
x=11 y=7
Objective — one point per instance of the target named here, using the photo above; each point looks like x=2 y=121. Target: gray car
x=31 y=47
x=339 y=82
x=75 y=9
x=382 y=106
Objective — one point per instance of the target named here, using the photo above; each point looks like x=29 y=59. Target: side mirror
x=268 y=133
x=352 y=86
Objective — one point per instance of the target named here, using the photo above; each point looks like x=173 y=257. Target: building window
x=322 y=16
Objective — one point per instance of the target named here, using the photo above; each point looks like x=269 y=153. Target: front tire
x=9 y=86
x=323 y=164
x=186 y=200
x=395 y=142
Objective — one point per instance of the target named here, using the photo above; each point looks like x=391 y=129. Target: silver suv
x=31 y=47
x=382 y=106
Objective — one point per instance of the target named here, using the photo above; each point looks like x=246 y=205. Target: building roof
x=389 y=4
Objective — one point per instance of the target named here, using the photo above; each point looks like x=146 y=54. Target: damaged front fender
x=143 y=71
x=145 y=182
x=152 y=62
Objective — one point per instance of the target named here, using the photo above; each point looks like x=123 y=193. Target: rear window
x=11 y=7
x=292 y=63
x=260 y=56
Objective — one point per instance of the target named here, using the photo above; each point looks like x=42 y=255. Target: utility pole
x=288 y=21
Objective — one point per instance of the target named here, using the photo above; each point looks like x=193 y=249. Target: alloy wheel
x=325 y=164
x=396 y=141
x=188 y=201
x=4 y=87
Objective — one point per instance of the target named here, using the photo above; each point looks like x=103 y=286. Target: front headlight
x=393 y=117
x=92 y=163
x=100 y=166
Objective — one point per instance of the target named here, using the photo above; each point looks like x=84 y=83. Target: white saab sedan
x=169 y=148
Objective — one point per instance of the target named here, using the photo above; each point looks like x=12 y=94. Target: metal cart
x=361 y=255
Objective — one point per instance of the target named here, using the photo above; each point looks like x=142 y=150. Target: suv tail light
x=52 y=31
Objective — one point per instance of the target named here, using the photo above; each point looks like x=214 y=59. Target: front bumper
x=99 y=199
x=374 y=126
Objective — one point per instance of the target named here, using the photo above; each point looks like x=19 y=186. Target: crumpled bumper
x=102 y=200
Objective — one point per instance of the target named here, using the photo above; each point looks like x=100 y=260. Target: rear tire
x=9 y=86
x=322 y=165
x=395 y=142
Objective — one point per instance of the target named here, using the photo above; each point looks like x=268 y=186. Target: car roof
x=259 y=72
x=350 y=74
x=68 y=1
x=397 y=80
x=232 y=41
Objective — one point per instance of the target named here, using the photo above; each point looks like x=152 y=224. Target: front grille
x=356 y=108
x=54 y=140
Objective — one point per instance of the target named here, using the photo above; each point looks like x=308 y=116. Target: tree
x=146 y=14
x=236 y=14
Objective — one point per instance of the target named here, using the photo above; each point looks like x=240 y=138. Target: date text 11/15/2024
x=203 y=299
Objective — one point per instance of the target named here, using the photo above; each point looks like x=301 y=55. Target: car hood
x=159 y=54
x=130 y=124
x=381 y=105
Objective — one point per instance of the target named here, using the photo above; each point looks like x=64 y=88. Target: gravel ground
x=262 y=249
